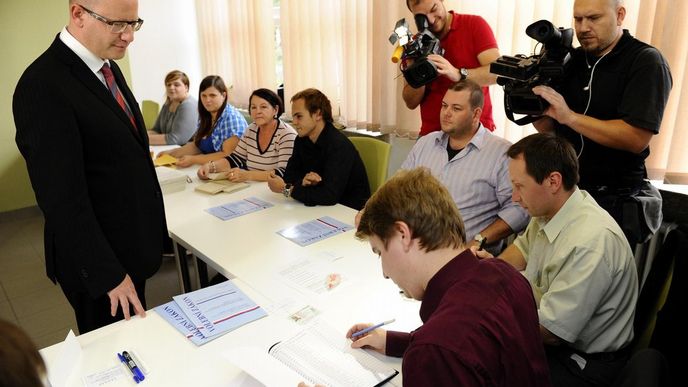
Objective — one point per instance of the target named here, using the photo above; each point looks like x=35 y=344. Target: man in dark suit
x=83 y=137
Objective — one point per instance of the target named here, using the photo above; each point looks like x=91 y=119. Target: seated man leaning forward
x=472 y=163
x=324 y=168
x=480 y=325
x=578 y=262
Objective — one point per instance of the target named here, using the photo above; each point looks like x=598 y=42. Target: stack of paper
x=171 y=180
x=206 y=314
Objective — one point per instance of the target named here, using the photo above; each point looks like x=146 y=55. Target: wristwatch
x=286 y=191
x=480 y=240
x=463 y=72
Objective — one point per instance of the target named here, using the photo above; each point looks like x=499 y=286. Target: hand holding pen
x=369 y=336
x=478 y=250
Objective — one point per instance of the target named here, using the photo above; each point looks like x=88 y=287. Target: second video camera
x=519 y=74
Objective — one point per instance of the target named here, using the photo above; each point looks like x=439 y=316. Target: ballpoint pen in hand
x=371 y=328
x=482 y=243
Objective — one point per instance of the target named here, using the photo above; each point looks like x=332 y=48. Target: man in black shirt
x=324 y=168
x=610 y=106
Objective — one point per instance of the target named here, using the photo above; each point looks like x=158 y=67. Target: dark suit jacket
x=92 y=176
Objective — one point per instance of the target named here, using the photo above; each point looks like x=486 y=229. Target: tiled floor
x=28 y=298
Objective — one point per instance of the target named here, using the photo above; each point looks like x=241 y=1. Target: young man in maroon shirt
x=480 y=324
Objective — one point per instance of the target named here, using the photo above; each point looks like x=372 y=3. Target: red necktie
x=112 y=85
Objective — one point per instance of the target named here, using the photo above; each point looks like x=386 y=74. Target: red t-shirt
x=468 y=36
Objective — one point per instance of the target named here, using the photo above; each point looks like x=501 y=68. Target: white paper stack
x=170 y=179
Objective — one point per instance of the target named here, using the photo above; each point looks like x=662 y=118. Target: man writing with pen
x=480 y=324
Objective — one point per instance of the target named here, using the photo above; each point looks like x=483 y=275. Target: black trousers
x=597 y=369
x=92 y=314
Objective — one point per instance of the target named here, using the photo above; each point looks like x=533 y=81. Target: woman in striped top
x=265 y=146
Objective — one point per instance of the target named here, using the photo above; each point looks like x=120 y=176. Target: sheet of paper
x=307 y=275
x=109 y=376
x=265 y=368
x=238 y=208
x=165 y=159
x=219 y=308
x=324 y=355
x=316 y=230
x=67 y=360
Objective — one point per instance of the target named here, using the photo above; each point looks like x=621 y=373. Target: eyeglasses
x=115 y=26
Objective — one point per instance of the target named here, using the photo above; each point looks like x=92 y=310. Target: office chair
x=375 y=156
x=150 y=110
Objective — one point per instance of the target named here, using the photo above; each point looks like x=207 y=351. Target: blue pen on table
x=125 y=358
x=372 y=328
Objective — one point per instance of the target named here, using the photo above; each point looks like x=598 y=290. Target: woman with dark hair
x=178 y=117
x=219 y=127
x=265 y=146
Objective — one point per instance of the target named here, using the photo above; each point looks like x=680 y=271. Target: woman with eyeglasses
x=266 y=145
x=177 y=120
x=219 y=126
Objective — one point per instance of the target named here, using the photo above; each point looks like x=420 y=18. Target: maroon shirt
x=480 y=328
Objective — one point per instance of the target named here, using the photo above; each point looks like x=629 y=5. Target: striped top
x=248 y=155
x=477 y=178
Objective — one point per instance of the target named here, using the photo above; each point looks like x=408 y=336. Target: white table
x=249 y=248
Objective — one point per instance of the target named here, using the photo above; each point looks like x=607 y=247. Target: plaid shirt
x=231 y=123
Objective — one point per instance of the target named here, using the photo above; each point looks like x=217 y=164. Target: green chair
x=150 y=110
x=375 y=156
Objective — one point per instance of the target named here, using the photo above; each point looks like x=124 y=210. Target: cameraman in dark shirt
x=610 y=106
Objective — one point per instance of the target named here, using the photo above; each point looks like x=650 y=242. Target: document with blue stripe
x=207 y=313
x=316 y=230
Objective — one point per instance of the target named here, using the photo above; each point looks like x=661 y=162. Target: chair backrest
x=656 y=288
x=646 y=368
x=375 y=156
x=669 y=335
x=150 y=110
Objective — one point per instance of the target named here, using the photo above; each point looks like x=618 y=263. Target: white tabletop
x=249 y=248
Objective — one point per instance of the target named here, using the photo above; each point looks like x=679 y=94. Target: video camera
x=519 y=74
x=413 y=50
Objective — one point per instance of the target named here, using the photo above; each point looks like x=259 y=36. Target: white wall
x=167 y=41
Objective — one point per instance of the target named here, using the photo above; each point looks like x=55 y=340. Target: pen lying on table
x=372 y=328
x=125 y=358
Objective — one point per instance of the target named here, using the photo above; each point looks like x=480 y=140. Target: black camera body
x=420 y=71
x=519 y=74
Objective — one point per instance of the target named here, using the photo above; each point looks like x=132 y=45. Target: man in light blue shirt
x=472 y=164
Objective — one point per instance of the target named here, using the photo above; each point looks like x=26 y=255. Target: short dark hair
x=315 y=101
x=476 y=98
x=545 y=153
x=418 y=199
x=270 y=96
x=411 y=2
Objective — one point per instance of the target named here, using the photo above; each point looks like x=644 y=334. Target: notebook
x=217 y=186
x=317 y=354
